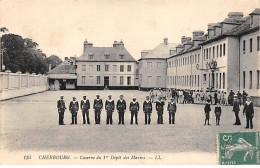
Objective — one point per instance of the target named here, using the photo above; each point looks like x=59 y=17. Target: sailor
x=236 y=109
x=85 y=106
x=61 y=109
x=134 y=108
x=218 y=113
x=121 y=107
x=207 y=110
x=110 y=107
x=147 y=109
x=172 y=110
x=97 y=106
x=159 y=108
x=249 y=110
x=74 y=107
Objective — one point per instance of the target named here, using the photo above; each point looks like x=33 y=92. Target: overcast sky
x=61 y=26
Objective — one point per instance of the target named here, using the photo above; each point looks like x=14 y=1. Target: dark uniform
x=61 y=109
x=249 y=110
x=110 y=107
x=244 y=97
x=134 y=108
x=236 y=109
x=216 y=98
x=74 y=107
x=207 y=110
x=85 y=106
x=231 y=98
x=172 y=110
x=147 y=108
x=159 y=109
x=97 y=106
x=239 y=97
x=121 y=107
x=217 y=114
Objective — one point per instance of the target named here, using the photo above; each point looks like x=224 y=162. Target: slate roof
x=100 y=52
x=63 y=69
x=161 y=51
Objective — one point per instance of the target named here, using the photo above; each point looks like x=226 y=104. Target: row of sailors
x=110 y=107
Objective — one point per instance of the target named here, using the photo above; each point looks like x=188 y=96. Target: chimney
x=119 y=45
x=49 y=67
x=66 y=58
x=165 y=41
x=172 y=52
x=255 y=18
x=87 y=45
x=197 y=33
x=235 y=15
x=184 y=39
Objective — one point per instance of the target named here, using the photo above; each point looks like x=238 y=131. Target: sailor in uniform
x=172 y=110
x=147 y=109
x=97 y=106
x=85 y=106
x=74 y=107
x=134 y=108
x=61 y=109
x=109 y=106
x=121 y=107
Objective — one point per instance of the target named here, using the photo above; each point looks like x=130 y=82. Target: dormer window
x=107 y=56
x=90 y=56
x=121 y=56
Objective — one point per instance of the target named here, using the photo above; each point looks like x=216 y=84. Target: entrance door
x=106 y=81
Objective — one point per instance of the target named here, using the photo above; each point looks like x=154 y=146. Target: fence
x=18 y=84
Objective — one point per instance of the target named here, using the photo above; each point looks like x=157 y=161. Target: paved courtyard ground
x=31 y=123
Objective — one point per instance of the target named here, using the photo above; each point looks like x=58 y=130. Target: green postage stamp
x=239 y=148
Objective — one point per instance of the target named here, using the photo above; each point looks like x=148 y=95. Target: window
x=251 y=45
x=219 y=80
x=129 y=68
x=198 y=81
x=121 y=56
x=244 y=79
x=209 y=53
x=129 y=80
x=98 y=80
x=257 y=80
x=220 y=50
x=204 y=54
x=149 y=65
x=114 y=68
x=205 y=78
x=198 y=58
x=224 y=49
x=250 y=80
x=213 y=52
x=224 y=80
x=90 y=56
x=121 y=80
x=91 y=68
x=107 y=56
x=258 y=43
x=114 y=80
x=106 y=68
x=91 y=80
x=244 y=46
x=83 y=79
x=121 y=68
x=158 y=64
x=83 y=67
x=98 y=67
x=158 y=80
x=195 y=58
x=217 y=51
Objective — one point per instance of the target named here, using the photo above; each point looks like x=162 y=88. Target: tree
x=53 y=60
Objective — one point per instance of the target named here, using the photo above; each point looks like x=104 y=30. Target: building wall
x=179 y=69
x=91 y=74
x=250 y=62
x=153 y=73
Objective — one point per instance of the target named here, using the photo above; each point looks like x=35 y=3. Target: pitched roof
x=63 y=69
x=160 y=51
x=255 y=12
x=100 y=52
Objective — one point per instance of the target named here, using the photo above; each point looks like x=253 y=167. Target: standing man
x=244 y=97
x=121 y=107
x=85 y=106
x=74 y=107
x=134 y=108
x=159 y=108
x=98 y=105
x=215 y=97
x=236 y=109
x=207 y=110
x=249 y=110
x=110 y=107
x=231 y=98
x=218 y=113
x=61 y=109
x=172 y=110
x=147 y=108
x=239 y=97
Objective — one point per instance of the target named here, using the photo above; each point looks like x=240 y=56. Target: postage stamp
x=239 y=148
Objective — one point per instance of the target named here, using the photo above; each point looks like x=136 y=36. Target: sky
x=61 y=26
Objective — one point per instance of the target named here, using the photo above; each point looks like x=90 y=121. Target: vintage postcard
x=147 y=82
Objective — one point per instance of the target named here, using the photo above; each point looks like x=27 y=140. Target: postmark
x=239 y=148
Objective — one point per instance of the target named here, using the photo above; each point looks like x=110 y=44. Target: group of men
x=120 y=106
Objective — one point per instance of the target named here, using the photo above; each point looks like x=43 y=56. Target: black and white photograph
x=129 y=82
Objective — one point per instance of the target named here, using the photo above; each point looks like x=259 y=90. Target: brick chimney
x=87 y=45
x=235 y=15
x=165 y=41
x=119 y=45
x=184 y=39
x=49 y=67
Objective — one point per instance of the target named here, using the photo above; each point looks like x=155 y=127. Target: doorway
x=106 y=82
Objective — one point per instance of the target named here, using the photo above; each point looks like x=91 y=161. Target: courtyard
x=30 y=123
